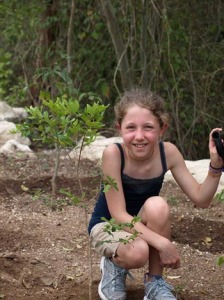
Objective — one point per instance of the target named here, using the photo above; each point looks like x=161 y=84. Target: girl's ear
x=118 y=127
x=164 y=128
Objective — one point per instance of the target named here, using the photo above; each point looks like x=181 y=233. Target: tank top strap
x=122 y=156
x=163 y=156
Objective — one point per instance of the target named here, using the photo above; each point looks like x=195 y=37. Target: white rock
x=11 y=113
x=20 y=113
x=199 y=169
x=6 y=134
x=95 y=150
x=14 y=147
x=6 y=112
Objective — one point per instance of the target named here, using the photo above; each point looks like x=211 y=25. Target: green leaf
x=108 y=183
x=220 y=261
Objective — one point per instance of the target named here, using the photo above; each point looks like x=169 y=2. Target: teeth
x=139 y=145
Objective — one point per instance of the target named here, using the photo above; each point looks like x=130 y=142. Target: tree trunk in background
x=144 y=80
x=69 y=38
x=46 y=48
x=120 y=48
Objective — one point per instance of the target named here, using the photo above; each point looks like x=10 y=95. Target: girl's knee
x=137 y=254
x=140 y=254
x=156 y=206
x=155 y=213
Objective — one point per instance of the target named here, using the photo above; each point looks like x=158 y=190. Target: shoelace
x=118 y=280
x=159 y=285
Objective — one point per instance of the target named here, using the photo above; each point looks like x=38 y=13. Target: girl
x=138 y=166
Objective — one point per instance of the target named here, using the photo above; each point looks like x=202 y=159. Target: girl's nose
x=139 y=134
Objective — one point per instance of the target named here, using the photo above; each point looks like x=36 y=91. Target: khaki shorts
x=108 y=249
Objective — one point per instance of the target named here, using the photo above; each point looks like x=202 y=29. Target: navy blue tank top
x=136 y=191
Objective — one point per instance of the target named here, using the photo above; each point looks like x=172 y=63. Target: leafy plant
x=74 y=199
x=220 y=196
x=109 y=182
x=112 y=226
x=63 y=123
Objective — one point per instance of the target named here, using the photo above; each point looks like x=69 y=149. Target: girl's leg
x=155 y=214
x=132 y=256
x=117 y=258
x=115 y=270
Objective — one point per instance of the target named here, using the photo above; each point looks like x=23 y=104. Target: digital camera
x=218 y=137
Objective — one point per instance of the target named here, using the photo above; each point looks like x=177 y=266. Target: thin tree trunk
x=86 y=220
x=56 y=168
x=47 y=40
x=69 y=38
x=144 y=40
x=120 y=48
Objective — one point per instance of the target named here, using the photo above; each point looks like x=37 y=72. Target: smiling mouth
x=139 y=145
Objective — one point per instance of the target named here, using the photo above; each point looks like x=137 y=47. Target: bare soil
x=44 y=249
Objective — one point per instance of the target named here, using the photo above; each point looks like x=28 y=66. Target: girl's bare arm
x=200 y=193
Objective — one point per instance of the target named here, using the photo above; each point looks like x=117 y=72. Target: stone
x=14 y=147
x=94 y=151
x=8 y=113
x=6 y=134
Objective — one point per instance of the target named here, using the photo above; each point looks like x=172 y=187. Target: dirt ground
x=44 y=252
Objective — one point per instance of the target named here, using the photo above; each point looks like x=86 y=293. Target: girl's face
x=140 y=131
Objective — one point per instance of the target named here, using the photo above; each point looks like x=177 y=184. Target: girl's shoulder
x=173 y=155
x=111 y=151
x=112 y=147
x=111 y=160
x=170 y=148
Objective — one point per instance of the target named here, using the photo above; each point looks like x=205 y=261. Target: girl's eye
x=130 y=127
x=148 y=127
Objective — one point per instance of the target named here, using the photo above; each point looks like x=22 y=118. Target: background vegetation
x=104 y=47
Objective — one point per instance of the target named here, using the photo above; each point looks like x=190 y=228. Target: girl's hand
x=216 y=160
x=169 y=256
